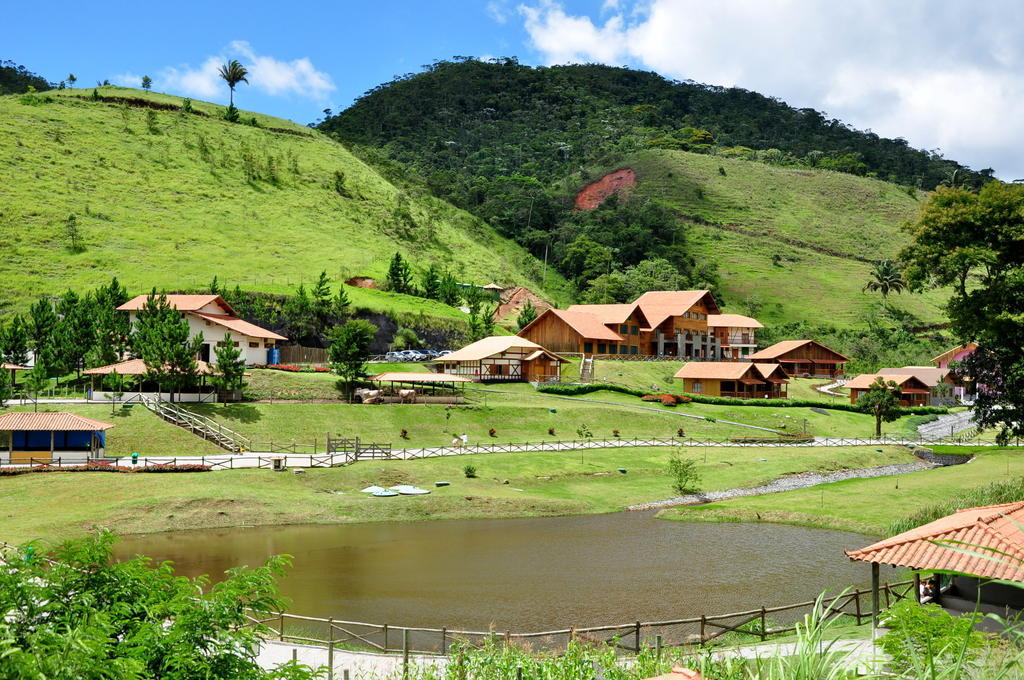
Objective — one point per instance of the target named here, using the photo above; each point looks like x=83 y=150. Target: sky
x=945 y=75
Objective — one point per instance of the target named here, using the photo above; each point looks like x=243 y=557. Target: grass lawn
x=862 y=505
x=57 y=505
x=137 y=430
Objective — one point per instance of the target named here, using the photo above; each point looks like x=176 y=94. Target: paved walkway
x=947 y=425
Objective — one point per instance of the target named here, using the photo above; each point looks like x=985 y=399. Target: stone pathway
x=947 y=425
x=789 y=483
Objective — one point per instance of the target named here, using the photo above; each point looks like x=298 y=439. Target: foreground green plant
x=84 y=615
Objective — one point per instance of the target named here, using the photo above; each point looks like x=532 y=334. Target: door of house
x=204 y=352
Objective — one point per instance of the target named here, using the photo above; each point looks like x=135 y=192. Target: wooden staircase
x=199 y=425
x=587 y=369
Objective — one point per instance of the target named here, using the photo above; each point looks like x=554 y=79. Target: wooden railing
x=631 y=637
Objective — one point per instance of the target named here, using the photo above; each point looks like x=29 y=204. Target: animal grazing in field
x=407 y=396
x=368 y=396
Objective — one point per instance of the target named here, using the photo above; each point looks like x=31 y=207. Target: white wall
x=214 y=333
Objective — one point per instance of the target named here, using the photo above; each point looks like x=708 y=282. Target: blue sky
x=943 y=74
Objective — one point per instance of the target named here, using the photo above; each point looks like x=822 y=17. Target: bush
x=685 y=478
x=551 y=431
x=404 y=434
x=469 y=471
x=993 y=493
x=492 y=432
x=106 y=467
x=921 y=635
x=668 y=400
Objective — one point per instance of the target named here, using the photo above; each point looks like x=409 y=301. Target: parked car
x=444 y=353
x=394 y=356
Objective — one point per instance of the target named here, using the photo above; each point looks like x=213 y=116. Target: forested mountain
x=15 y=79
x=512 y=144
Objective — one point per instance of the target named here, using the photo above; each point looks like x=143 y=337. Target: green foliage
x=885 y=278
x=923 y=638
x=526 y=315
x=233 y=73
x=972 y=242
x=430 y=282
x=683 y=472
x=163 y=340
x=406 y=338
x=349 y=350
x=112 y=328
x=399 y=275
x=448 y=290
x=76 y=334
x=231 y=114
x=299 y=314
x=882 y=401
x=229 y=365
x=994 y=493
x=87 y=615
x=469 y=471
x=73 y=234
x=186 y=105
x=147 y=83
x=36 y=380
x=16 y=79
x=481 y=315
x=14 y=341
x=113 y=383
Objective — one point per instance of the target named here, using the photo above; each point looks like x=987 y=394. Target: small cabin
x=913 y=392
x=502 y=358
x=740 y=380
x=803 y=358
x=27 y=438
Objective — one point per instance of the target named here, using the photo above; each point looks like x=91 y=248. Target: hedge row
x=104 y=467
x=572 y=390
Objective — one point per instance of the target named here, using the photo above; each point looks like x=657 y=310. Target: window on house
x=686 y=315
x=623 y=328
x=633 y=349
x=588 y=348
x=254 y=344
x=623 y=349
x=235 y=343
x=634 y=330
x=698 y=386
x=602 y=348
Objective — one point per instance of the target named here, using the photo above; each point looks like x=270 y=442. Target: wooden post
x=636 y=636
x=444 y=641
x=764 y=625
x=875 y=600
x=405 y=652
x=519 y=673
x=330 y=648
x=703 y=623
x=508 y=638
x=657 y=647
x=280 y=629
x=917 y=587
x=856 y=601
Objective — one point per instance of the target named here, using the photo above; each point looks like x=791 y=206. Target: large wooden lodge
x=684 y=323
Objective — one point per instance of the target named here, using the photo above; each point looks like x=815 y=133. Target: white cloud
x=497 y=11
x=128 y=79
x=941 y=75
x=274 y=77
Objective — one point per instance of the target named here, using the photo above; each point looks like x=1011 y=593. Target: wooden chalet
x=574 y=332
x=735 y=334
x=935 y=378
x=671 y=323
x=502 y=358
x=741 y=380
x=807 y=358
x=913 y=392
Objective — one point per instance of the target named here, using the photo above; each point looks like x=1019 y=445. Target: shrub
x=993 y=493
x=469 y=471
x=923 y=635
x=551 y=431
x=668 y=400
x=680 y=432
x=685 y=478
x=404 y=434
x=492 y=432
x=186 y=105
x=103 y=466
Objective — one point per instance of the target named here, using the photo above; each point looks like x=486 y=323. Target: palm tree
x=886 y=278
x=233 y=73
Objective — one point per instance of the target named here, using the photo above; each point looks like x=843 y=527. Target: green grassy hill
x=169 y=199
x=791 y=244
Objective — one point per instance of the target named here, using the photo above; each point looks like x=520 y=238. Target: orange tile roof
x=137 y=367
x=658 y=305
x=787 y=346
x=992 y=534
x=606 y=313
x=412 y=377
x=929 y=375
x=50 y=422
x=239 y=326
x=733 y=321
x=866 y=380
x=714 y=370
x=949 y=354
x=14 y=367
x=183 y=303
x=768 y=370
x=587 y=325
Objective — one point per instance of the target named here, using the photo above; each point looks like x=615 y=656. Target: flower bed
x=667 y=399
x=292 y=368
x=106 y=467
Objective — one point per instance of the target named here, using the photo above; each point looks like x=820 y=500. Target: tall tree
x=76 y=334
x=431 y=282
x=886 y=278
x=299 y=314
x=340 y=304
x=399 y=277
x=14 y=341
x=321 y=302
x=448 y=290
x=973 y=243
x=42 y=322
x=147 y=83
x=349 y=350
x=37 y=380
x=113 y=328
x=230 y=365
x=233 y=73
x=882 y=400
x=164 y=342
x=72 y=79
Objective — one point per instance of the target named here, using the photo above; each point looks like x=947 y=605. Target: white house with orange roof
x=212 y=316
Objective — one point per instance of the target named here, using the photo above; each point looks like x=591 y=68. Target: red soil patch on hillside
x=594 y=193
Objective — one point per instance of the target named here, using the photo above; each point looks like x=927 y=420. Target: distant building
x=742 y=380
x=212 y=316
x=677 y=323
x=803 y=358
x=506 y=358
x=940 y=381
x=913 y=391
x=964 y=387
x=39 y=437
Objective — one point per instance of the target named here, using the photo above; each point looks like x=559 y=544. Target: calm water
x=527 y=574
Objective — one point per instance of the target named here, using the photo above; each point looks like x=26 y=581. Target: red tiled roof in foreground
x=56 y=422
x=989 y=543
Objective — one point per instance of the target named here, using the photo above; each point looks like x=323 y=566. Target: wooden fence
x=294 y=354
x=631 y=637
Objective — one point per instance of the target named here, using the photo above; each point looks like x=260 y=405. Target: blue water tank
x=274 y=355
